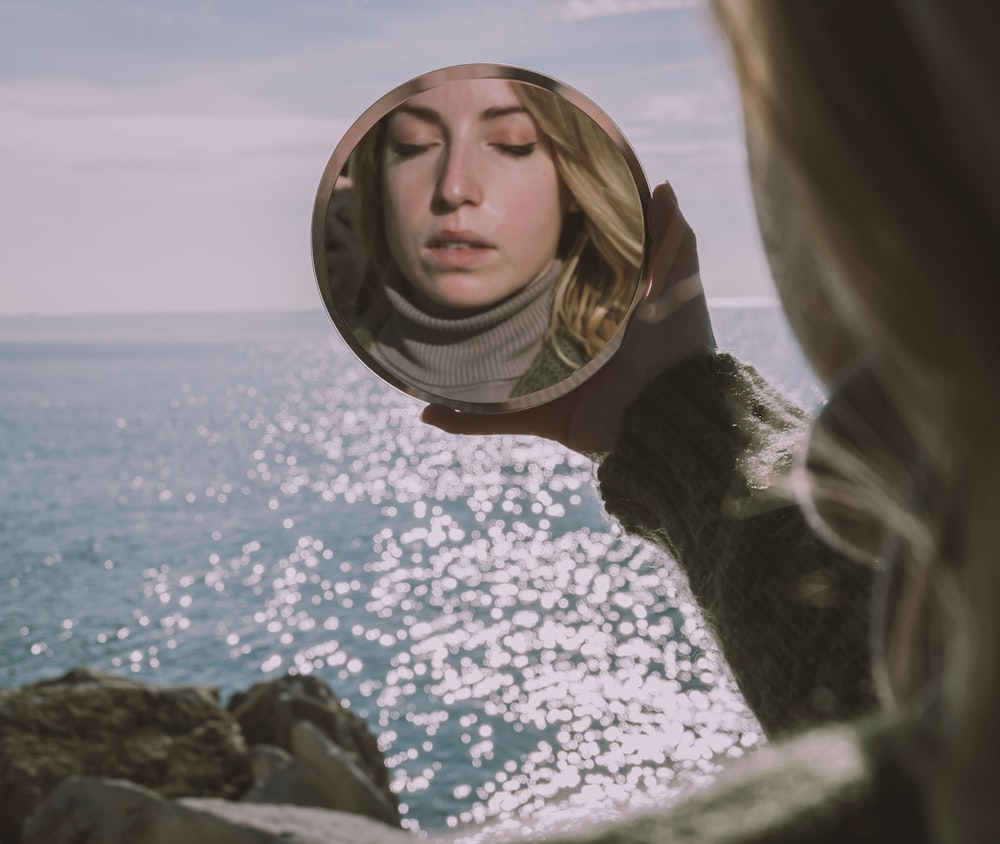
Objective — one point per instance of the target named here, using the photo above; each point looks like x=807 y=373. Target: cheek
x=394 y=195
x=539 y=209
x=399 y=203
x=829 y=346
x=799 y=274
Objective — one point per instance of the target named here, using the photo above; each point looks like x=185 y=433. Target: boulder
x=269 y=711
x=88 y=811
x=320 y=773
x=176 y=741
x=265 y=759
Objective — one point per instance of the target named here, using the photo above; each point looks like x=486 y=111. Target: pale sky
x=164 y=157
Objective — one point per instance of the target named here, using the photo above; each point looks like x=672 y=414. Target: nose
x=459 y=182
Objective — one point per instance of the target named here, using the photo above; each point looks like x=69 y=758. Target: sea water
x=222 y=499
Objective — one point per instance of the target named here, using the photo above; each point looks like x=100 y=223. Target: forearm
x=694 y=472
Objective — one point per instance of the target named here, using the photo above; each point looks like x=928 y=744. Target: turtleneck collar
x=479 y=357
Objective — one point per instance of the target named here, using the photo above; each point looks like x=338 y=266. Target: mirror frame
x=367 y=121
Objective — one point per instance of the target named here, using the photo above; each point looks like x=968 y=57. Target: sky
x=164 y=157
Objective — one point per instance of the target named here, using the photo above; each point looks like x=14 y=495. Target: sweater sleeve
x=698 y=471
x=829 y=785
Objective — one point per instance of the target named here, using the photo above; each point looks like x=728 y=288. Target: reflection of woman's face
x=474 y=204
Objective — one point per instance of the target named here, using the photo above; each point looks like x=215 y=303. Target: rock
x=269 y=710
x=322 y=774
x=88 y=811
x=265 y=759
x=177 y=741
x=307 y=750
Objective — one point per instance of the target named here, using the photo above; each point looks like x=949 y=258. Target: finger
x=673 y=269
x=671 y=301
x=666 y=227
x=454 y=422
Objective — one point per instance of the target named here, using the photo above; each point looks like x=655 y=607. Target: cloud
x=116 y=200
x=67 y=124
x=589 y=9
x=73 y=135
x=692 y=108
x=182 y=177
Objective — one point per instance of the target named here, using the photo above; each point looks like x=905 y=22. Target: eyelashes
x=404 y=151
x=517 y=150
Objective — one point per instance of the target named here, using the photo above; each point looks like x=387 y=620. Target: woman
x=873 y=133
x=477 y=200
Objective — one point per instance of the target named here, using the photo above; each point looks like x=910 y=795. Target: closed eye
x=404 y=150
x=517 y=150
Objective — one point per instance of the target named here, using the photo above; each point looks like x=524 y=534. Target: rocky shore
x=92 y=758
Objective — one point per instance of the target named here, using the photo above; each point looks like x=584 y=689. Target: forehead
x=464 y=99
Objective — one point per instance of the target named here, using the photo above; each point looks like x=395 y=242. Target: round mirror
x=479 y=235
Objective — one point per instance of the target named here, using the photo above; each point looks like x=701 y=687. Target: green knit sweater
x=550 y=365
x=697 y=471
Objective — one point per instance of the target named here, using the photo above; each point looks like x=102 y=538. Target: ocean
x=218 y=499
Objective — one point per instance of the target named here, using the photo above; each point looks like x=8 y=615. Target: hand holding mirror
x=479 y=236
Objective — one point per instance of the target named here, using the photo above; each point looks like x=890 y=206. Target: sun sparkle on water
x=222 y=514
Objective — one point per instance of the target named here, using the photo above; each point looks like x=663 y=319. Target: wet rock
x=319 y=773
x=87 y=811
x=268 y=714
x=176 y=741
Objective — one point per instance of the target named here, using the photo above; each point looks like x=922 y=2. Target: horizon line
x=713 y=302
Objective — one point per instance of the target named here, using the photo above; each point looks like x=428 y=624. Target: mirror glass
x=479 y=236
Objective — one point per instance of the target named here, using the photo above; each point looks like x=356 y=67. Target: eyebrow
x=429 y=115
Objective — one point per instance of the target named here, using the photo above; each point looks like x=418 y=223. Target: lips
x=458 y=239
x=453 y=249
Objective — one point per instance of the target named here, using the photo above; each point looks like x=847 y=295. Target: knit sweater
x=559 y=357
x=697 y=471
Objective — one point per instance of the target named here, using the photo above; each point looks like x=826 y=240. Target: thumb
x=540 y=421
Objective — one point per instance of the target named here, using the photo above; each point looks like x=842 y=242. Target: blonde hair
x=884 y=116
x=604 y=254
x=601 y=245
